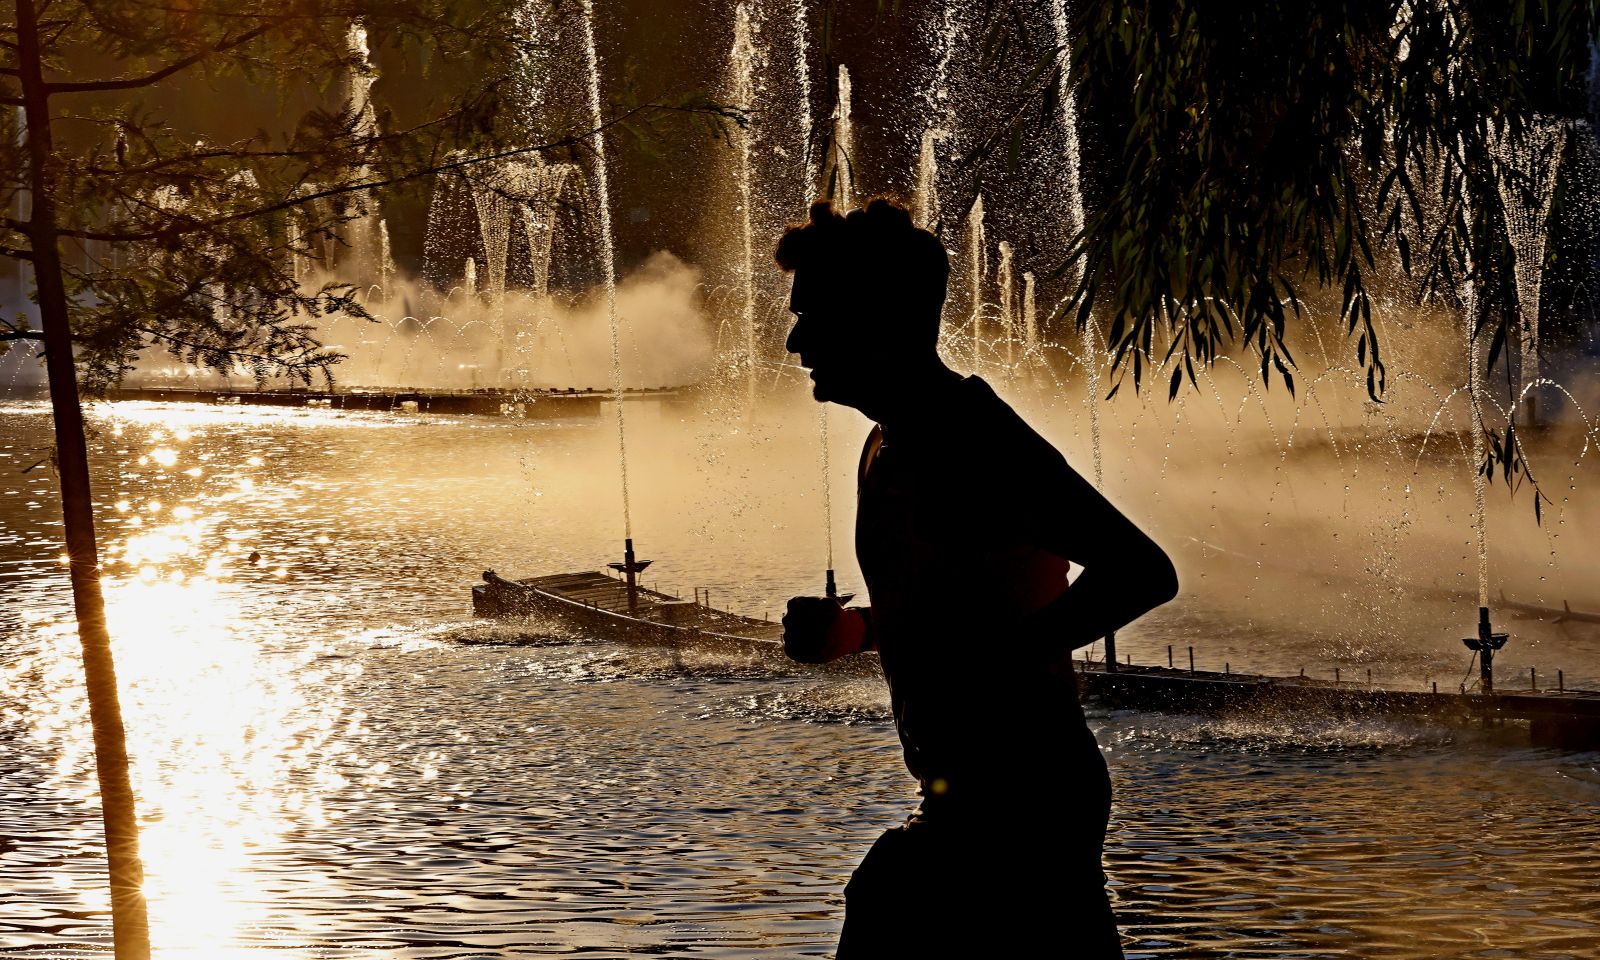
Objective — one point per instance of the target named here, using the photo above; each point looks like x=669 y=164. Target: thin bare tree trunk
x=129 y=919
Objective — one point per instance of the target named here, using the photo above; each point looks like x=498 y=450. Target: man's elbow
x=1163 y=580
x=1159 y=578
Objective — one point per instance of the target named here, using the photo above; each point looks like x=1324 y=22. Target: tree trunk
x=129 y=920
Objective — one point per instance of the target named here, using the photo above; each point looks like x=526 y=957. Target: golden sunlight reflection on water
x=231 y=748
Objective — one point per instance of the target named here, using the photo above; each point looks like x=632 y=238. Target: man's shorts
x=980 y=886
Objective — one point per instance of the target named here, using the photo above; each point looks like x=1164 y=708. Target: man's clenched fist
x=820 y=629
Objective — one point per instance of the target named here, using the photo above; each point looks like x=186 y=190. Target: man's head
x=868 y=292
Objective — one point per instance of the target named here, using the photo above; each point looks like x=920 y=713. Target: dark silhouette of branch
x=149 y=79
x=177 y=230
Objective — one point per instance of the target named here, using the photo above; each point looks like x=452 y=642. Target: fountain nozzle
x=630 y=568
x=1485 y=644
x=831 y=589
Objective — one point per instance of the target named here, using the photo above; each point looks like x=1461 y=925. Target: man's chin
x=823 y=392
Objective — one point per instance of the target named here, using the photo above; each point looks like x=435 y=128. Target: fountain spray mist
x=608 y=255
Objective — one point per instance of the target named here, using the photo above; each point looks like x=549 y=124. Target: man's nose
x=792 y=344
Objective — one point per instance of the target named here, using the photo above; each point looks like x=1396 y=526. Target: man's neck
x=913 y=396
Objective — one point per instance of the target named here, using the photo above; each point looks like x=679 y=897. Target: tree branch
x=198 y=225
x=149 y=79
x=22 y=335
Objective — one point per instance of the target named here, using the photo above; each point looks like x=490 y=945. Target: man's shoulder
x=998 y=429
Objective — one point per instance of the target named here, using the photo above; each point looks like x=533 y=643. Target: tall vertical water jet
x=1475 y=425
x=608 y=259
x=827 y=492
x=743 y=93
x=1008 y=320
x=841 y=176
x=925 y=197
x=1030 y=316
x=386 y=268
x=1091 y=365
x=1067 y=117
x=802 y=71
x=809 y=190
x=979 y=264
x=363 y=231
x=1537 y=157
x=939 y=121
x=292 y=242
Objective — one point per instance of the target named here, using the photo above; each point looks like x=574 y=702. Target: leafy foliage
x=1271 y=147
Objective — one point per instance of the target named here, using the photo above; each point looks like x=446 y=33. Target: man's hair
x=876 y=258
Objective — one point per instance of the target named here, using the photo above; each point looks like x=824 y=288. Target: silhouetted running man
x=966 y=522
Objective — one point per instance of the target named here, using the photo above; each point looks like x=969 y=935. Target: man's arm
x=1112 y=592
x=1125 y=573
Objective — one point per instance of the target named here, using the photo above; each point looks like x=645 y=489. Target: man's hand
x=820 y=629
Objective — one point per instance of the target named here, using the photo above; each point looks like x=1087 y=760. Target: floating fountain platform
x=597 y=604
x=605 y=606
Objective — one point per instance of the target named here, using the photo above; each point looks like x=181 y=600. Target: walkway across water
x=540 y=402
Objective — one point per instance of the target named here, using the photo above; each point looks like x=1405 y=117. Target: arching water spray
x=608 y=256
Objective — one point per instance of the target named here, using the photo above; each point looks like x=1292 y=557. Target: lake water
x=326 y=770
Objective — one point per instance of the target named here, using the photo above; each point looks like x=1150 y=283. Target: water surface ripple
x=327 y=770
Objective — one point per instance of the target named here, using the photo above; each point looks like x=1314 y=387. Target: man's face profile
x=819 y=337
